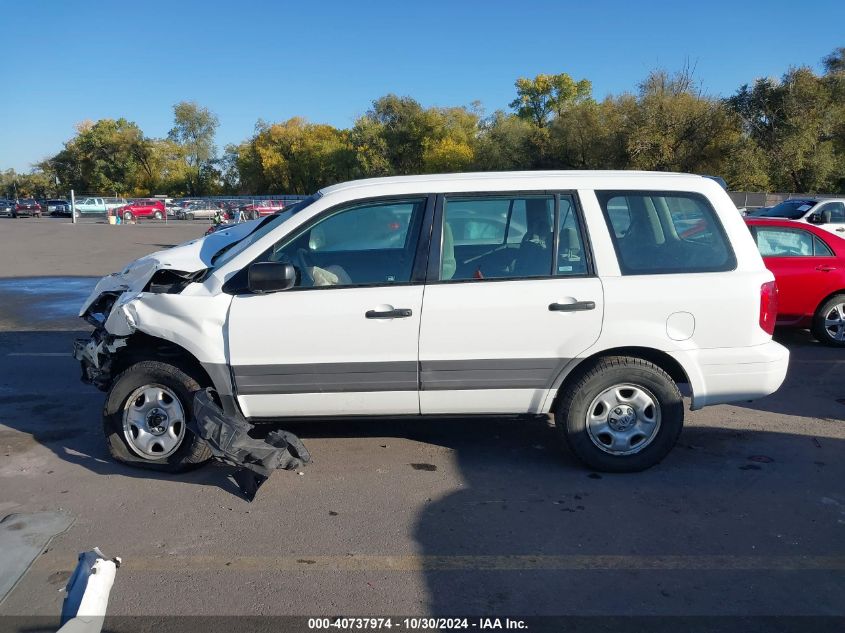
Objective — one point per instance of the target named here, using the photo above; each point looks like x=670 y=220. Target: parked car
x=172 y=208
x=7 y=206
x=809 y=267
x=93 y=205
x=595 y=317
x=58 y=207
x=199 y=210
x=262 y=208
x=828 y=213
x=27 y=206
x=149 y=208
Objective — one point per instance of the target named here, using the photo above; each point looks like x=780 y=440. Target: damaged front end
x=114 y=319
x=96 y=356
x=151 y=312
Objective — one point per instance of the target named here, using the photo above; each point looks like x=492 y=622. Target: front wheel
x=829 y=322
x=128 y=216
x=145 y=419
x=620 y=414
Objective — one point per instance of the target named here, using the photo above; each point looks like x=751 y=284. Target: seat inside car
x=533 y=257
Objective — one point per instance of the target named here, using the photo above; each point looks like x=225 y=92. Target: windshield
x=261 y=229
x=790 y=209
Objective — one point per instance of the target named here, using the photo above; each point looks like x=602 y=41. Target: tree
x=398 y=136
x=593 y=135
x=674 y=127
x=537 y=99
x=835 y=62
x=294 y=157
x=504 y=143
x=193 y=130
x=794 y=122
x=106 y=156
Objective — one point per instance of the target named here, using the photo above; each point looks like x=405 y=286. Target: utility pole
x=72 y=206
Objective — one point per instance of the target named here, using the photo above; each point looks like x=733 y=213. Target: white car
x=593 y=296
x=827 y=213
x=98 y=205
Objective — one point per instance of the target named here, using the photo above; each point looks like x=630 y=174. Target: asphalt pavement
x=746 y=517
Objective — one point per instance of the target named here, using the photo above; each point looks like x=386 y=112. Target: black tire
x=15 y=215
x=127 y=216
x=604 y=373
x=158 y=216
x=189 y=216
x=819 y=330
x=191 y=453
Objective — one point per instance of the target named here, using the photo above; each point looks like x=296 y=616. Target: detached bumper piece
x=87 y=593
x=229 y=440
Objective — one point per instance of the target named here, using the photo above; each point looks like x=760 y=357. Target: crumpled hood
x=187 y=257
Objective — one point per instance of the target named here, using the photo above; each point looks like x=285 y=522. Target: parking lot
x=746 y=517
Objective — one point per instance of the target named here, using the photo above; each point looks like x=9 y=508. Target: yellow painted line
x=470 y=563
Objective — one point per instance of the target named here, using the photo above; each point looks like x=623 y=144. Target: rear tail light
x=768 y=306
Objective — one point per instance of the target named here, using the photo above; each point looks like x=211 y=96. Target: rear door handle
x=825 y=269
x=572 y=307
x=841 y=230
x=396 y=313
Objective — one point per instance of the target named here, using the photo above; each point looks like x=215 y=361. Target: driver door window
x=835 y=211
x=365 y=245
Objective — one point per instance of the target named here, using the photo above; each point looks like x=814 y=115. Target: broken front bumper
x=96 y=355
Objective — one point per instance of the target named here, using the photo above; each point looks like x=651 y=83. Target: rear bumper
x=720 y=376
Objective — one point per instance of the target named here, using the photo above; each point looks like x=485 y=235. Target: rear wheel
x=620 y=414
x=189 y=216
x=145 y=416
x=157 y=215
x=829 y=321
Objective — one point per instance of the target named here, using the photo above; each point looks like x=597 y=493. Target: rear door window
x=783 y=242
x=658 y=232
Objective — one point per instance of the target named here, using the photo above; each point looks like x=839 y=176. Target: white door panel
x=496 y=347
x=314 y=352
x=330 y=404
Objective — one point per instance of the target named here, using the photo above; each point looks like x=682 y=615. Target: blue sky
x=65 y=61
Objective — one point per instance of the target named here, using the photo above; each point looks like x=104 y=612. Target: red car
x=263 y=207
x=809 y=267
x=27 y=206
x=145 y=208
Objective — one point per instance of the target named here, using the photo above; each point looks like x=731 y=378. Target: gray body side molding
x=511 y=373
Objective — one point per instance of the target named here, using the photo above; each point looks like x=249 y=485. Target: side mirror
x=266 y=277
x=815 y=218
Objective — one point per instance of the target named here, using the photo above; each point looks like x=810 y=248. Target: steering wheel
x=303 y=261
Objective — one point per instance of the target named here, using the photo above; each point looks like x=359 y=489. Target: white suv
x=594 y=296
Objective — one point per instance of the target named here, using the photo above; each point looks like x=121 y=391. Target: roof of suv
x=436 y=181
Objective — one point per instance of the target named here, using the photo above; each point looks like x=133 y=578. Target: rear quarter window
x=660 y=232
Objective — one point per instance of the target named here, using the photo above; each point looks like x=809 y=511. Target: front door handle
x=572 y=307
x=393 y=313
x=841 y=230
x=825 y=269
